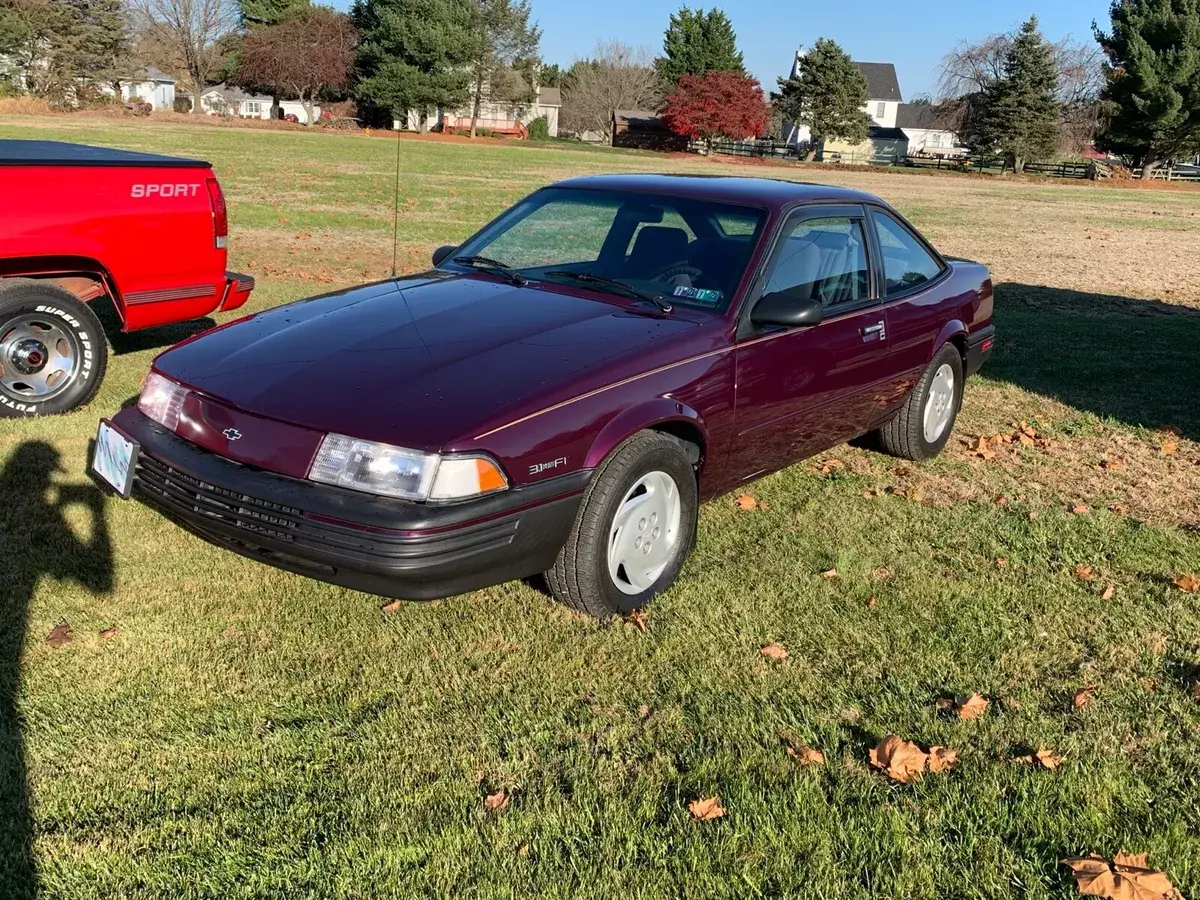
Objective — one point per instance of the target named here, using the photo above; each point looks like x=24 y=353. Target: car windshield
x=684 y=250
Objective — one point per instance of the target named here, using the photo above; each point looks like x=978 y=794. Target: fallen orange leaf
x=1124 y=878
x=971 y=707
x=1080 y=509
x=830 y=573
x=1083 y=696
x=804 y=754
x=637 y=618
x=746 y=503
x=775 y=652
x=1168 y=448
x=942 y=759
x=900 y=760
x=1108 y=593
x=706 y=810
x=1189 y=583
x=497 y=801
x=1085 y=572
x=391 y=607
x=107 y=634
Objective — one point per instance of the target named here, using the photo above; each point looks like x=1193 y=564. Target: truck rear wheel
x=52 y=350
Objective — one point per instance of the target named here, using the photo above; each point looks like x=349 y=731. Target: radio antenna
x=396 y=204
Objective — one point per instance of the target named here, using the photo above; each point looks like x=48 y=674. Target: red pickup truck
x=80 y=223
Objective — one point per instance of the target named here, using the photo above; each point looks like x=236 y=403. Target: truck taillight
x=220 y=215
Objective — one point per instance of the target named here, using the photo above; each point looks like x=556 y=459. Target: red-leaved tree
x=302 y=56
x=715 y=105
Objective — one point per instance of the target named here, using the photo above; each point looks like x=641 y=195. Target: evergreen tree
x=1021 y=108
x=1153 y=80
x=828 y=94
x=505 y=44
x=67 y=49
x=260 y=13
x=697 y=42
x=412 y=54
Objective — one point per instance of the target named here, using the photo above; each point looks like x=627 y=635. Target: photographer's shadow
x=36 y=541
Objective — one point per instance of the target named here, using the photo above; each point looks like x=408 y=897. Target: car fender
x=950 y=331
x=649 y=414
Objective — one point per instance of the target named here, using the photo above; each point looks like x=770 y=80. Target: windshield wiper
x=616 y=285
x=494 y=266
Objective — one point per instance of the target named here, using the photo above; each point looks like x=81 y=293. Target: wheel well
x=689 y=435
x=960 y=341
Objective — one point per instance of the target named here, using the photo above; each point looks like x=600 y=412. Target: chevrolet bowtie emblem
x=232 y=434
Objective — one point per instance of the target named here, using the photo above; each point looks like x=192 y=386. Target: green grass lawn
x=250 y=733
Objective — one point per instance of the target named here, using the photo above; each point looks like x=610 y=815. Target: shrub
x=182 y=105
x=539 y=129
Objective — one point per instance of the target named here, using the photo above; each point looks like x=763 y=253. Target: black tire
x=580 y=577
x=904 y=434
x=40 y=310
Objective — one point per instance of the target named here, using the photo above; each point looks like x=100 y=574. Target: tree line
x=1133 y=91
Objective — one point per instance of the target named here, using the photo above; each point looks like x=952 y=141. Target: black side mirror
x=791 y=308
x=440 y=254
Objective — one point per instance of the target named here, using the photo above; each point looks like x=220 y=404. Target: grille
x=175 y=489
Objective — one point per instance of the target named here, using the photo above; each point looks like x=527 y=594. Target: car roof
x=769 y=192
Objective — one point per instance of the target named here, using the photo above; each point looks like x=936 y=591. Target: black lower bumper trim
x=392 y=548
x=979 y=348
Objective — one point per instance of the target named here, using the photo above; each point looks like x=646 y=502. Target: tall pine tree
x=828 y=93
x=503 y=54
x=696 y=42
x=1153 y=73
x=1022 y=112
x=412 y=55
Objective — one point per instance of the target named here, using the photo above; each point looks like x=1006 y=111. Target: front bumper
x=414 y=551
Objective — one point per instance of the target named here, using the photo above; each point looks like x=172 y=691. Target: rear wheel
x=635 y=528
x=922 y=427
x=52 y=350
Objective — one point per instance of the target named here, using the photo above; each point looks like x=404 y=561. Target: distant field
x=249 y=733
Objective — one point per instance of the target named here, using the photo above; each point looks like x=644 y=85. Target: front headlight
x=376 y=468
x=161 y=399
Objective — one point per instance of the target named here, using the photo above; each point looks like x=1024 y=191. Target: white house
x=492 y=116
x=926 y=130
x=151 y=86
x=883 y=91
x=226 y=100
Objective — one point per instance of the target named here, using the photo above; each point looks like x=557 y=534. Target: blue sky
x=769 y=30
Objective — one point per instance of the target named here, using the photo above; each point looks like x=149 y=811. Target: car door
x=801 y=390
x=911 y=279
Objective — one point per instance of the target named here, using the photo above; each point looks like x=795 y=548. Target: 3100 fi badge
x=799 y=316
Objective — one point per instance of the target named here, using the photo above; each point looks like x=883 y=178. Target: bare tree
x=303 y=55
x=188 y=33
x=617 y=77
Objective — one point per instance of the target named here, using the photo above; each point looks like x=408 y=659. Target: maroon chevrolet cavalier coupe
x=561 y=391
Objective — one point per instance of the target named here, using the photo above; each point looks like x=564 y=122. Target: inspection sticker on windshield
x=700 y=295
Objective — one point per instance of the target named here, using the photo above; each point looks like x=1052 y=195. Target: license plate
x=114 y=458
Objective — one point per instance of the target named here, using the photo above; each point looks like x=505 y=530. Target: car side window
x=906 y=262
x=826 y=259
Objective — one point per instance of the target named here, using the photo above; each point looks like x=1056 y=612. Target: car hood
x=418 y=361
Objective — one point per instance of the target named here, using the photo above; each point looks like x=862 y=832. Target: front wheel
x=922 y=427
x=52 y=350
x=635 y=528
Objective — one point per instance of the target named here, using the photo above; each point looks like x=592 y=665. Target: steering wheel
x=676 y=270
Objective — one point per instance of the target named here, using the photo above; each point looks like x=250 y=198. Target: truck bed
x=60 y=153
